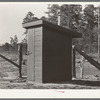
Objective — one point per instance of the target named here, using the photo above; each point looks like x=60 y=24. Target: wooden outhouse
x=49 y=52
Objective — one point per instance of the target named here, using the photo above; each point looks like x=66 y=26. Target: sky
x=11 y=18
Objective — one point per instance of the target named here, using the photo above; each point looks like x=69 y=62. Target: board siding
x=30 y=68
x=34 y=70
x=38 y=54
x=56 y=56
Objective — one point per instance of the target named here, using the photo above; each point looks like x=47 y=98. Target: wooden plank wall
x=56 y=56
x=38 y=54
x=30 y=68
x=34 y=70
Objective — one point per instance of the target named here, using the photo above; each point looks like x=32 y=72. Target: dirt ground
x=9 y=78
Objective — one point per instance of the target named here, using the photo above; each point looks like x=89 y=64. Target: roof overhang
x=68 y=32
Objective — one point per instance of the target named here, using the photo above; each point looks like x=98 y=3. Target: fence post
x=73 y=61
x=20 y=60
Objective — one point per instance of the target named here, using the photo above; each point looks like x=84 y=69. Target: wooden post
x=82 y=66
x=83 y=70
x=20 y=60
x=73 y=60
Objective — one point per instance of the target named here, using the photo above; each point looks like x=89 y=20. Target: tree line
x=75 y=17
x=83 y=20
x=13 y=45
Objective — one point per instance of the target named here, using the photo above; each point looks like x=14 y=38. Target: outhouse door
x=30 y=51
x=34 y=67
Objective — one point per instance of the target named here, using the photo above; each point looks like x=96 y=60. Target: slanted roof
x=68 y=32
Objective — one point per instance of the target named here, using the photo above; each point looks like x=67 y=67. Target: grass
x=9 y=77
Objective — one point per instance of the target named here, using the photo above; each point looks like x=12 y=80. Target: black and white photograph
x=50 y=46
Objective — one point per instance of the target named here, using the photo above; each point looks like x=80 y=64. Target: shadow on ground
x=74 y=82
x=83 y=82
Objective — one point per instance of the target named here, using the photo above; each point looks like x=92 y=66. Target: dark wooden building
x=49 y=52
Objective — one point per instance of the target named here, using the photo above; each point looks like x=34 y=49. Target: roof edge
x=40 y=22
x=33 y=23
x=72 y=33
